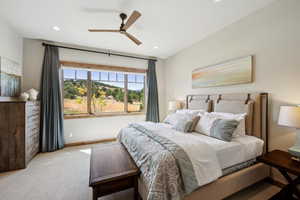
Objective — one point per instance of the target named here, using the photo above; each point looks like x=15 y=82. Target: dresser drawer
x=32 y=145
x=32 y=129
x=32 y=108
x=33 y=120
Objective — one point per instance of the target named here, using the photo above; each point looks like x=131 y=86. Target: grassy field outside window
x=94 y=92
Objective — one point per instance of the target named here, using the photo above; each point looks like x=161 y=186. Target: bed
x=227 y=174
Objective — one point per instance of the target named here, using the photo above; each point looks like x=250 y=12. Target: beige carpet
x=63 y=175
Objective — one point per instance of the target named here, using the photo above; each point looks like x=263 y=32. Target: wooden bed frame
x=256 y=107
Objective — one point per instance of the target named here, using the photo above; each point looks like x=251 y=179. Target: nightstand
x=283 y=162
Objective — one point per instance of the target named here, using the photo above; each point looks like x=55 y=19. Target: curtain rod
x=101 y=52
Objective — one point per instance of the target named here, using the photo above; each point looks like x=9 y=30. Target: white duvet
x=203 y=157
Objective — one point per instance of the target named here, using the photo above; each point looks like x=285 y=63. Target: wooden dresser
x=19 y=132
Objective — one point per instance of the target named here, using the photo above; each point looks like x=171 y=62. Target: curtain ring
x=219 y=98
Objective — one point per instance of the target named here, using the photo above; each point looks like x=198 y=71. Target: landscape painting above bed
x=238 y=71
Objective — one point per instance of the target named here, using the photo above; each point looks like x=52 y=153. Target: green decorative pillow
x=223 y=129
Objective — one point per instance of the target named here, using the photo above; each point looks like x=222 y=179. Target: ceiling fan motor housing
x=123 y=17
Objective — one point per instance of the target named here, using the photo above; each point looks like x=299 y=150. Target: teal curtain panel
x=152 y=104
x=52 y=129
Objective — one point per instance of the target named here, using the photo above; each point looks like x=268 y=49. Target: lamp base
x=295 y=151
x=295 y=159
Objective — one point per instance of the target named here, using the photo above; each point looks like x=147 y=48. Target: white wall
x=272 y=35
x=10 y=43
x=90 y=128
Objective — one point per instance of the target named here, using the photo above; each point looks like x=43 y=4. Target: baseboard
x=90 y=142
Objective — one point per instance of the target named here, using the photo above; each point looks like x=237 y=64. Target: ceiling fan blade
x=133 y=17
x=133 y=38
x=103 y=30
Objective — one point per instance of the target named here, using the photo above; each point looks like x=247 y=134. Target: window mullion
x=62 y=86
x=125 y=92
x=89 y=92
x=145 y=93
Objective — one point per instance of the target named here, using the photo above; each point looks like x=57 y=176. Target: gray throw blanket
x=165 y=166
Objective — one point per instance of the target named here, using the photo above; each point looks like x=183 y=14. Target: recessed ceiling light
x=216 y=1
x=155 y=47
x=56 y=28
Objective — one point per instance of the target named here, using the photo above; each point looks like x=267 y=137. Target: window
x=95 y=92
x=75 y=91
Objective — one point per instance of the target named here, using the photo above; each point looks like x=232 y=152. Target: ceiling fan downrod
x=123 y=17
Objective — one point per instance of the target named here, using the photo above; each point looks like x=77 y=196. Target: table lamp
x=173 y=106
x=290 y=116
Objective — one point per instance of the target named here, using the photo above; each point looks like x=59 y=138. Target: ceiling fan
x=124 y=26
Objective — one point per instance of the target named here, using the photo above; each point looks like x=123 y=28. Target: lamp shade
x=173 y=105
x=289 y=116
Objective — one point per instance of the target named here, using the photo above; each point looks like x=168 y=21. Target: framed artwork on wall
x=237 y=71
x=10 y=78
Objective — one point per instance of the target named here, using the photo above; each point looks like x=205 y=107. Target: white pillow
x=180 y=122
x=192 y=112
x=241 y=118
x=205 y=123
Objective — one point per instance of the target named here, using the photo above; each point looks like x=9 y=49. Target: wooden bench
x=112 y=170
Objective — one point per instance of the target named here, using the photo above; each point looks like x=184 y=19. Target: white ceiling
x=171 y=25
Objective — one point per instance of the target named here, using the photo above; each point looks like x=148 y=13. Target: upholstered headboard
x=199 y=102
x=254 y=104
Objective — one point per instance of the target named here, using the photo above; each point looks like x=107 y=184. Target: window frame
x=108 y=68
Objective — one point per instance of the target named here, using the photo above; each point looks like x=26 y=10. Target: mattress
x=238 y=151
x=237 y=167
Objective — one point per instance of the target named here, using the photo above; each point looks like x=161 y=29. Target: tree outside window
x=95 y=92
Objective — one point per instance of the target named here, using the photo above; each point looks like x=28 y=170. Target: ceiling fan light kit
x=124 y=26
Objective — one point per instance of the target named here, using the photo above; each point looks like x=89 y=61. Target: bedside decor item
x=24 y=96
x=238 y=71
x=33 y=94
x=10 y=77
x=290 y=116
x=173 y=106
